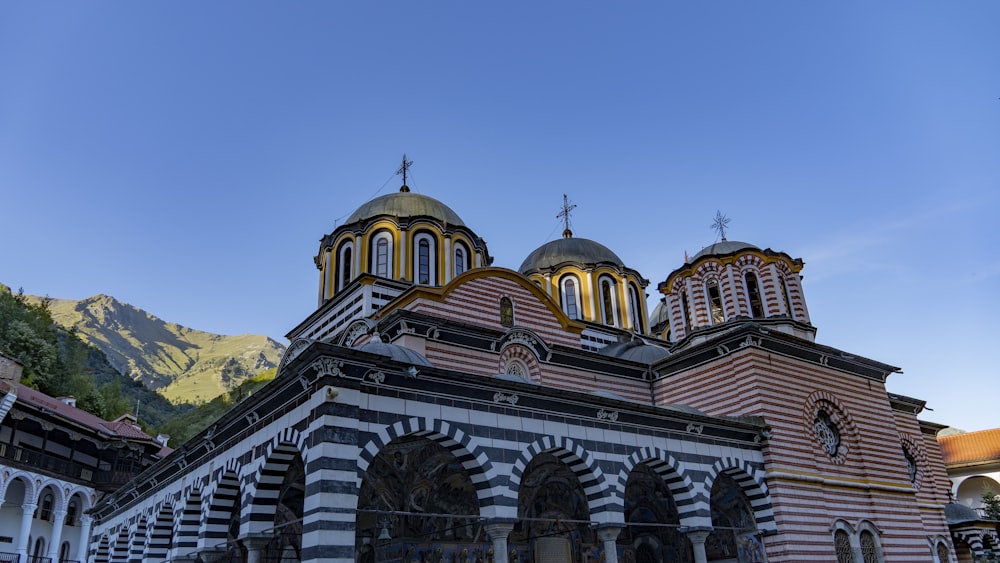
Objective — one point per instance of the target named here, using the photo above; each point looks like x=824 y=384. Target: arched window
x=64 y=552
x=716 y=314
x=753 y=294
x=686 y=311
x=39 y=550
x=45 y=508
x=608 y=309
x=784 y=296
x=344 y=272
x=869 y=547
x=633 y=296
x=461 y=259
x=506 y=311
x=943 y=552
x=842 y=541
x=382 y=255
x=516 y=368
x=570 y=297
x=425 y=267
x=72 y=511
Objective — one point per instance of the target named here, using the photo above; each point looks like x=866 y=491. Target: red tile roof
x=73 y=414
x=971 y=446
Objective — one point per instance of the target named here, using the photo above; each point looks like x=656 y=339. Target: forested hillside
x=57 y=362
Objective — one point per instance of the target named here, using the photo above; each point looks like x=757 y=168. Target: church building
x=435 y=408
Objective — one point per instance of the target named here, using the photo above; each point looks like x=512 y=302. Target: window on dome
x=784 y=296
x=717 y=315
x=506 y=311
x=608 y=302
x=424 y=261
x=345 y=257
x=633 y=295
x=753 y=293
x=382 y=252
x=570 y=297
x=686 y=312
x=942 y=552
x=460 y=259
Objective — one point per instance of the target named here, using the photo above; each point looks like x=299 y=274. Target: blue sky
x=187 y=157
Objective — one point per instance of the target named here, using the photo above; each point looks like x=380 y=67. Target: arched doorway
x=652 y=521
x=417 y=502
x=286 y=545
x=553 y=515
x=734 y=536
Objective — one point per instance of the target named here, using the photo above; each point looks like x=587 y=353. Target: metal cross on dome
x=720 y=224
x=567 y=207
x=404 y=168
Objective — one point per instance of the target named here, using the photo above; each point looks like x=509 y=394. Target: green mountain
x=182 y=364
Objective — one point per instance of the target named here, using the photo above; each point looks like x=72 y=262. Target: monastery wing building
x=435 y=408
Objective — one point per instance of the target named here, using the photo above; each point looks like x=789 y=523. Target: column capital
x=609 y=532
x=256 y=540
x=212 y=554
x=696 y=534
x=499 y=526
x=29 y=506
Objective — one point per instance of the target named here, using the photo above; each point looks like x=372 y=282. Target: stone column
x=498 y=531
x=27 y=513
x=697 y=536
x=57 y=529
x=255 y=544
x=609 y=536
x=84 y=547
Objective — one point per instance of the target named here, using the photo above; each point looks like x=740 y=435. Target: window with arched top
x=39 y=550
x=609 y=310
x=869 y=547
x=516 y=368
x=686 y=311
x=506 y=311
x=842 y=542
x=45 y=507
x=753 y=295
x=382 y=255
x=943 y=553
x=570 y=293
x=425 y=267
x=64 y=552
x=461 y=259
x=72 y=512
x=716 y=313
x=635 y=304
x=784 y=296
x=345 y=256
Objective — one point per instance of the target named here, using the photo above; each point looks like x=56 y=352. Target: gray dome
x=724 y=247
x=568 y=250
x=956 y=513
x=395 y=352
x=660 y=314
x=406 y=204
x=635 y=350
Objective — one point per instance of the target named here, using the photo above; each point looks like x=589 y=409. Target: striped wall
x=810 y=489
x=494 y=438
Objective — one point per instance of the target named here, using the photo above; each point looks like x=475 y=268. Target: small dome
x=635 y=350
x=406 y=204
x=724 y=247
x=568 y=250
x=956 y=513
x=660 y=314
x=395 y=352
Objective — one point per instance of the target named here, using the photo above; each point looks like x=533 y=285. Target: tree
x=991 y=504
